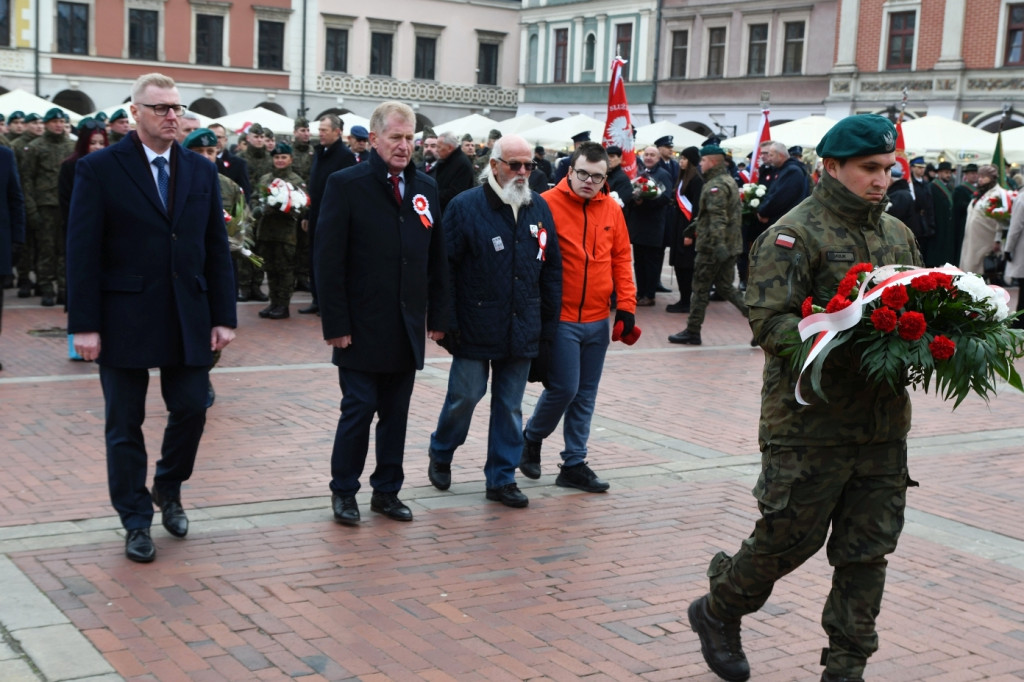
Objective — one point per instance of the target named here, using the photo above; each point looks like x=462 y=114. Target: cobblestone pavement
x=267 y=587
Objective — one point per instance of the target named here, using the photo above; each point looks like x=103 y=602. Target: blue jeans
x=467 y=383
x=577 y=359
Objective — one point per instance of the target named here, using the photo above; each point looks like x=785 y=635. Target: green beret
x=200 y=137
x=32 y=117
x=495 y=134
x=467 y=138
x=858 y=135
x=117 y=115
x=711 y=150
x=282 y=148
x=100 y=116
x=301 y=122
x=2 y=119
x=254 y=129
x=15 y=115
x=52 y=114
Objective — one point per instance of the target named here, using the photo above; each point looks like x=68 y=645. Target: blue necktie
x=163 y=179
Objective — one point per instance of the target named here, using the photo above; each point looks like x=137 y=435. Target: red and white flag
x=901 y=154
x=765 y=135
x=618 y=127
x=685 y=205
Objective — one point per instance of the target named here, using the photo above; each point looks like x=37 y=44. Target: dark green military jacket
x=273 y=225
x=43 y=157
x=821 y=239
x=719 y=223
x=302 y=160
x=260 y=163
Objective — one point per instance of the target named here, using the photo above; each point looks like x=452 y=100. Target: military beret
x=2 y=119
x=118 y=115
x=945 y=165
x=100 y=116
x=467 y=138
x=254 y=129
x=52 y=114
x=858 y=135
x=495 y=134
x=711 y=150
x=88 y=124
x=664 y=141
x=301 y=122
x=917 y=161
x=200 y=137
x=971 y=168
x=32 y=117
x=268 y=133
x=896 y=171
x=582 y=137
x=282 y=148
x=359 y=132
x=613 y=150
x=796 y=150
x=16 y=115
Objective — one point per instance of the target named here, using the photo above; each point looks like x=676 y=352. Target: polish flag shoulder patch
x=785 y=241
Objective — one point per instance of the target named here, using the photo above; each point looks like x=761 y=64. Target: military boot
x=719 y=642
x=256 y=294
x=833 y=677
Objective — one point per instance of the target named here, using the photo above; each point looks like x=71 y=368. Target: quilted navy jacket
x=505 y=298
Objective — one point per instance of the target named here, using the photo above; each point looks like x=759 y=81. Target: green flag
x=999 y=162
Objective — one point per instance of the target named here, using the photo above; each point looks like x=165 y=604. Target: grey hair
x=780 y=148
x=385 y=110
x=334 y=120
x=155 y=79
x=449 y=138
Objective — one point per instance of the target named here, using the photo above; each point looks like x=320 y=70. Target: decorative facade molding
x=421 y=91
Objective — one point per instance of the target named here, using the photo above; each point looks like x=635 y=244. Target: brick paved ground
x=576 y=586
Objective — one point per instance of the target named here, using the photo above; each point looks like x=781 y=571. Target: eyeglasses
x=595 y=178
x=515 y=166
x=162 y=110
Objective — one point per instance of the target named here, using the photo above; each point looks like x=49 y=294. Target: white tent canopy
x=475 y=125
x=958 y=143
x=20 y=100
x=281 y=125
x=350 y=120
x=558 y=135
x=681 y=137
x=805 y=132
x=520 y=124
x=1013 y=144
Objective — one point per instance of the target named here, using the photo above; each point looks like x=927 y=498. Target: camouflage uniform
x=275 y=242
x=260 y=162
x=719 y=228
x=43 y=158
x=302 y=164
x=27 y=257
x=842 y=463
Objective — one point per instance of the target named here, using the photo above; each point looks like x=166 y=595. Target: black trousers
x=647 y=262
x=363 y=395
x=124 y=390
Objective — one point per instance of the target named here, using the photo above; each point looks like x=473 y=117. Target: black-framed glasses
x=595 y=178
x=515 y=166
x=162 y=110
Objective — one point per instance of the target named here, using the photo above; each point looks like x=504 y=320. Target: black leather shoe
x=679 y=307
x=509 y=495
x=48 y=302
x=265 y=313
x=138 y=546
x=256 y=294
x=662 y=289
x=440 y=474
x=25 y=291
x=719 y=642
x=390 y=506
x=685 y=337
x=211 y=395
x=311 y=309
x=346 y=511
x=832 y=677
x=172 y=515
x=581 y=477
x=278 y=312
x=529 y=461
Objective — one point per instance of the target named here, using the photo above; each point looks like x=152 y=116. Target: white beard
x=515 y=194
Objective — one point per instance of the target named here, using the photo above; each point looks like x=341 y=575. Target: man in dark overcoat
x=381 y=271
x=454 y=171
x=12 y=215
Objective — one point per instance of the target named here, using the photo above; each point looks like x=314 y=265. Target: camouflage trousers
x=279 y=263
x=301 y=254
x=49 y=231
x=707 y=271
x=861 y=492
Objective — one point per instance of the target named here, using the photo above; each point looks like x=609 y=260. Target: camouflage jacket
x=719 y=217
x=43 y=158
x=804 y=254
x=302 y=160
x=272 y=225
x=233 y=202
x=260 y=163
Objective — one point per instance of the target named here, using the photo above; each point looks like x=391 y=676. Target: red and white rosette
x=422 y=208
x=542 y=242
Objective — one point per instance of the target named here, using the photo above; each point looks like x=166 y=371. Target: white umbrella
x=20 y=100
x=958 y=143
x=519 y=124
x=558 y=135
x=281 y=125
x=476 y=125
x=805 y=132
x=681 y=137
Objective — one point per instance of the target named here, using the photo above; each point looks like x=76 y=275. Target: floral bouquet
x=283 y=196
x=912 y=325
x=751 y=194
x=646 y=188
x=1000 y=204
x=238 y=222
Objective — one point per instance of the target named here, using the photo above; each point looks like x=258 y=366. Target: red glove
x=630 y=338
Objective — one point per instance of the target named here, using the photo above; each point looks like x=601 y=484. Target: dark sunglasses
x=515 y=166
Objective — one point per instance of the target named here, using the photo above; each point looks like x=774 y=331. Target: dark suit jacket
x=381 y=275
x=152 y=282
x=326 y=160
x=235 y=168
x=454 y=175
x=12 y=209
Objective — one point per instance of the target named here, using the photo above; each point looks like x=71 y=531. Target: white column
x=576 y=40
x=524 y=54
x=846 y=50
x=951 y=56
x=641 y=70
x=543 y=74
x=603 y=51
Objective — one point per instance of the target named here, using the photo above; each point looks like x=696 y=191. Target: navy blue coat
x=326 y=161
x=152 y=284
x=646 y=220
x=787 y=188
x=380 y=272
x=12 y=209
x=505 y=298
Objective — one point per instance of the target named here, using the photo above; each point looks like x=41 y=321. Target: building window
x=531 y=59
x=680 y=51
x=381 y=45
x=589 y=49
x=210 y=39
x=716 y=52
x=757 y=50
x=793 y=50
x=901 y=41
x=1014 y=36
x=624 y=46
x=5 y=23
x=561 y=54
x=72 y=28
x=142 y=33
x=270 y=55
x=426 y=53
x=487 y=64
x=336 y=50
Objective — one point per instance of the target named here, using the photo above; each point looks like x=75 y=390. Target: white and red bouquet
x=751 y=194
x=283 y=196
x=999 y=204
x=645 y=187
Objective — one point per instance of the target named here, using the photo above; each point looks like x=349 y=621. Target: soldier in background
x=963 y=195
x=15 y=126
x=841 y=463
x=302 y=164
x=275 y=237
x=31 y=125
x=118 y=126
x=482 y=159
x=3 y=132
x=42 y=160
x=469 y=147
x=250 y=277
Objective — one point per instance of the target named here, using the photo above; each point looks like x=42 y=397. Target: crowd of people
x=522 y=270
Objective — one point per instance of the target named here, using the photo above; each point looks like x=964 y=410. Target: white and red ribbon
x=684 y=202
x=542 y=241
x=422 y=208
